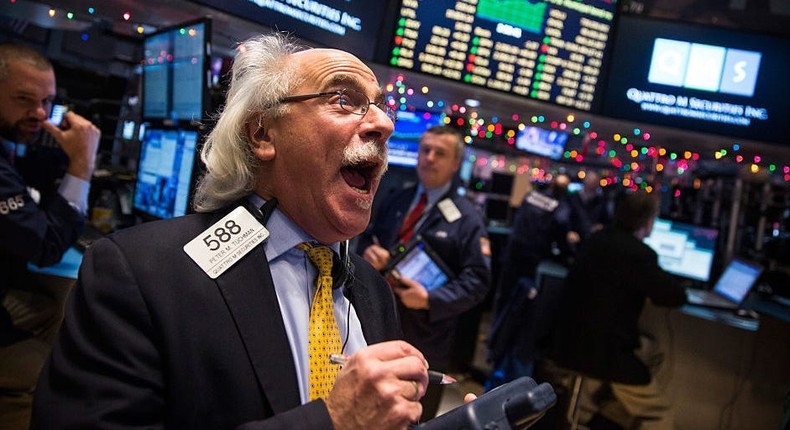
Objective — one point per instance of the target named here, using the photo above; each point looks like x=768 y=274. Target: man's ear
x=260 y=141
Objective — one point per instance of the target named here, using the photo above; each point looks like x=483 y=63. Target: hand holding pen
x=379 y=387
x=434 y=377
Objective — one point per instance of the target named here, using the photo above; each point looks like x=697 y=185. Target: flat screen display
x=164 y=173
x=706 y=79
x=420 y=264
x=684 y=250
x=405 y=140
x=737 y=280
x=548 y=143
x=175 y=72
x=352 y=25
x=551 y=51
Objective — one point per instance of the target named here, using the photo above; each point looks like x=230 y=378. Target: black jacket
x=462 y=245
x=605 y=293
x=150 y=341
x=30 y=232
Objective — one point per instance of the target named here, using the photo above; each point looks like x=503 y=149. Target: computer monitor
x=165 y=172
x=175 y=72
x=684 y=250
x=548 y=143
x=404 y=142
x=701 y=78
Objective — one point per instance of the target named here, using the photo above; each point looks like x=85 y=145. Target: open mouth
x=359 y=176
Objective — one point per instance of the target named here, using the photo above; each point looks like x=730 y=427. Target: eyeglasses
x=352 y=101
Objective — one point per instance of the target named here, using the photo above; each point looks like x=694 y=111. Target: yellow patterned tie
x=323 y=335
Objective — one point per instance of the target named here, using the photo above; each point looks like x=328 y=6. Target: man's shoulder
x=169 y=230
x=612 y=238
x=467 y=207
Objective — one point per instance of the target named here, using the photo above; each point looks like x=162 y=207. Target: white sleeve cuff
x=75 y=190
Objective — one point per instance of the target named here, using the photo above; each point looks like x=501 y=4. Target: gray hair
x=11 y=51
x=261 y=76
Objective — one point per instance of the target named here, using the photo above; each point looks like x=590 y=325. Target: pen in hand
x=434 y=377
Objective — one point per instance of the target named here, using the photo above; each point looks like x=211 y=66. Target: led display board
x=351 y=25
x=552 y=51
x=404 y=143
x=705 y=79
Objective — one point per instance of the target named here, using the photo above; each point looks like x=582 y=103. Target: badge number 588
x=223 y=244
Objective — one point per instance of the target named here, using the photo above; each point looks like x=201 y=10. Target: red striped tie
x=407 y=229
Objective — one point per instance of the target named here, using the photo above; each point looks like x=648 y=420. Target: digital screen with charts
x=404 y=143
x=706 y=79
x=683 y=249
x=175 y=73
x=164 y=173
x=551 y=51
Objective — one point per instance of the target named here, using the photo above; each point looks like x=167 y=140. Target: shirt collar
x=435 y=194
x=284 y=234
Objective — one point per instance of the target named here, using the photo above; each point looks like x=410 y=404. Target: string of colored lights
x=633 y=143
x=644 y=157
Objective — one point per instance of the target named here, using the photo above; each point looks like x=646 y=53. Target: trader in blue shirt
x=454 y=228
x=36 y=226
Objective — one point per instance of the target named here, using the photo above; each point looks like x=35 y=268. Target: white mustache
x=365 y=152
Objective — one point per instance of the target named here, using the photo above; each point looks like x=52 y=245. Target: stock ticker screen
x=701 y=78
x=552 y=51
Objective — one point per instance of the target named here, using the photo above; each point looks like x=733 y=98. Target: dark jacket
x=150 y=341
x=605 y=293
x=540 y=226
x=30 y=232
x=462 y=245
x=585 y=214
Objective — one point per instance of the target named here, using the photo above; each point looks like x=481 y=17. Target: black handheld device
x=516 y=405
x=418 y=261
x=57 y=113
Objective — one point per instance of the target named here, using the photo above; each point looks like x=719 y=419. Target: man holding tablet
x=431 y=217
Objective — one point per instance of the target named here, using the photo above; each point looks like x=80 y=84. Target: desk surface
x=777 y=307
x=722 y=316
x=67 y=267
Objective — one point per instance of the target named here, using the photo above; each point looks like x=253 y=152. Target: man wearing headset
x=202 y=321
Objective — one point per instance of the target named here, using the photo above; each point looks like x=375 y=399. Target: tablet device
x=420 y=263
